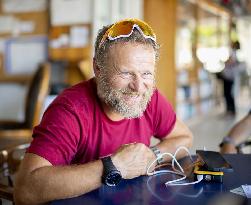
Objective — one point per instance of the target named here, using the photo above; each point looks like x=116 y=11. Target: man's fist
x=133 y=159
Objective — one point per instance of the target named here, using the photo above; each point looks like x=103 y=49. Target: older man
x=99 y=131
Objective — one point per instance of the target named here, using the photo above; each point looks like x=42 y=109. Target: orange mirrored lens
x=123 y=28
x=147 y=30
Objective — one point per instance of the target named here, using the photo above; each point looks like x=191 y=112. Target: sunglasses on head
x=124 y=28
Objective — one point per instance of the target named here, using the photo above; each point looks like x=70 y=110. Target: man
x=232 y=68
x=99 y=130
x=239 y=133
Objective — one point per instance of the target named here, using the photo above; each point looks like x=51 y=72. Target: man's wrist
x=111 y=175
x=227 y=140
x=158 y=155
x=228 y=149
x=118 y=165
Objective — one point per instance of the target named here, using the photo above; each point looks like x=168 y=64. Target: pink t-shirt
x=74 y=129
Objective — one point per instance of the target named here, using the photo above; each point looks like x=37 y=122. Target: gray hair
x=102 y=51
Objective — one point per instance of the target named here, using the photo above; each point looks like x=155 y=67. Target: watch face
x=113 y=178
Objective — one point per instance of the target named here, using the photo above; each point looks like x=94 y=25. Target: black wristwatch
x=111 y=176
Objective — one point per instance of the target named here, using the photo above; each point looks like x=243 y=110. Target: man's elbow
x=23 y=194
x=189 y=139
x=185 y=134
x=20 y=197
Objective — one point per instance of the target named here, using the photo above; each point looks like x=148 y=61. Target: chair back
x=37 y=92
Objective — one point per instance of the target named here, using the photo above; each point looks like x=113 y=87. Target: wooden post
x=161 y=15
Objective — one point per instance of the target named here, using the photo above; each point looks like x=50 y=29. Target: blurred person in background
x=238 y=134
x=228 y=77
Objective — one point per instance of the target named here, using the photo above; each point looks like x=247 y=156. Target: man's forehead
x=126 y=56
x=129 y=44
x=132 y=50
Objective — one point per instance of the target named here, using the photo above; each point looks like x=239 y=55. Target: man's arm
x=237 y=134
x=179 y=136
x=38 y=181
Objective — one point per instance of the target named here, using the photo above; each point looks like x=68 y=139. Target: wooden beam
x=161 y=15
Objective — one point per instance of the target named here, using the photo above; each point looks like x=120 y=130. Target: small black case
x=214 y=161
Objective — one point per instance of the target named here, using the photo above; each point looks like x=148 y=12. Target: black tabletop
x=152 y=190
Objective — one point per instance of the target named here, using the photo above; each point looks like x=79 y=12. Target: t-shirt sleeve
x=56 y=137
x=164 y=116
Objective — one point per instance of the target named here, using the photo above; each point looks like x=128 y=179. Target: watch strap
x=158 y=155
x=108 y=165
x=111 y=175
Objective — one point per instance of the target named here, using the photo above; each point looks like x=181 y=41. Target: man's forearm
x=179 y=136
x=172 y=144
x=50 y=183
x=239 y=133
x=241 y=130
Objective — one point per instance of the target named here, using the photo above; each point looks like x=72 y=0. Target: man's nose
x=137 y=84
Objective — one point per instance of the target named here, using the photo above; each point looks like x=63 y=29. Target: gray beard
x=114 y=99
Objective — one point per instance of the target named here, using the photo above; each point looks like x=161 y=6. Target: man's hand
x=132 y=160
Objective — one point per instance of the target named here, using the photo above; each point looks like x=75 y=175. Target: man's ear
x=96 y=69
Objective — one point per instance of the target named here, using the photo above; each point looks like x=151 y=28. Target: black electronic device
x=213 y=161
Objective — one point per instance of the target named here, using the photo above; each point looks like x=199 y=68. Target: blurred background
x=196 y=37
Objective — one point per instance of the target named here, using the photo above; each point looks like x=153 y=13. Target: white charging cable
x=179 y=172
x=161 y=171
x=177 y=150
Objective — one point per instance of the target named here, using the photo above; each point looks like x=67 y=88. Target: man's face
x=127 y=82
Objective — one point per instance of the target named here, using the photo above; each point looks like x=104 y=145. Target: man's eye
x=147 y=74
x=125 y=74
